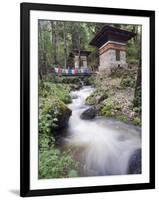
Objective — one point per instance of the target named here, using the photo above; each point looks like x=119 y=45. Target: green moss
x=137 y=121
x=90 y=100
x=110 y=109
x=107 y=110
x=123 y=118
x=97 y=97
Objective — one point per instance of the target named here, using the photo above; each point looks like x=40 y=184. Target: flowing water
x=102 y=146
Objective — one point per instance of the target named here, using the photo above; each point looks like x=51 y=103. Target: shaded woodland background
x=58 y=38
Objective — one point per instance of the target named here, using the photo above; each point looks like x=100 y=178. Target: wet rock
x=63 y=115
x=90 y=100
x=74 y=96
x=75 y=86
x=132 y=115
x=90 y=113
x=95 y=99
x=100 y=98
x=135 y=163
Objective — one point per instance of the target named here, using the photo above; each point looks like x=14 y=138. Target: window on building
x=117 y=55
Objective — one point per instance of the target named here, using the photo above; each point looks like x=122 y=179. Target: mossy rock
x=134 y=165
x=62 y=113
x=90 y=100
x=97 y=97
x=58 y=113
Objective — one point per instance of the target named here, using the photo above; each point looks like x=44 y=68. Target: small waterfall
x=102 y=146
x=81 y=82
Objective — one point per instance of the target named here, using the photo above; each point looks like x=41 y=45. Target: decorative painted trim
x=114 y=42
x=112 y=46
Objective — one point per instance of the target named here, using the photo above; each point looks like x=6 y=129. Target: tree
x=137 y=93
x=54 y=40
x=65 y=45
x=42 y=53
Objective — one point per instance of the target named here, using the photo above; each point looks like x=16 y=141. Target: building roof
x=82 y=52
x=109 y=33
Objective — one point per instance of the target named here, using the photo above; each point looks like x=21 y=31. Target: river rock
x=135 y=163
x=90 y=113
x=75 y=86
x=63 y=114
x=74 y=96
x=100 y=98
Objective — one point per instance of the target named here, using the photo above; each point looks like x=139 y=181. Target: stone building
x=111 y=43
x=80 y=58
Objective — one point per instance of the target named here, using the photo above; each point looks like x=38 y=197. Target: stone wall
x=108 y=61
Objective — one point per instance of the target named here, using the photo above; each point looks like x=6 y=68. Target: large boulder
x=96 y=98
x=74 y=96
x=134 y=166
x=75 y=86
x=63 y=115
x=101 y=97
x=90 y=113
x=53 y=113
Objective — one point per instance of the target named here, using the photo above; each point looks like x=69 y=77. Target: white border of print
x=35 y=183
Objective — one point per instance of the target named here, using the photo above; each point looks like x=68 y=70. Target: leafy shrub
x=69 y=80
x=132 y=51
x=137 y=99
x=107 y=110
x=110 y=109
x=136 y=121
x=53 y=163
x=60 y=91
x=72 y=173
x=128 y=82
x=56 y=164
x=48 y=114
x=137 y=109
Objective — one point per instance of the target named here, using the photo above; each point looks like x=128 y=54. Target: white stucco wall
x=82 y=58
x=76 y=61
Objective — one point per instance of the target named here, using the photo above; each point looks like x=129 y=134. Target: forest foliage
x=58 y=38
x=53 y=163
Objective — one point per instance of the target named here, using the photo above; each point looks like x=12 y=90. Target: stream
x=103 y=146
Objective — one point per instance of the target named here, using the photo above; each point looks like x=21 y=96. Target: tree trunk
x=79 y=48
x=74 y=34
x=65 y=46
x=54 y=41
x=137 y=93
x=41 y=60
